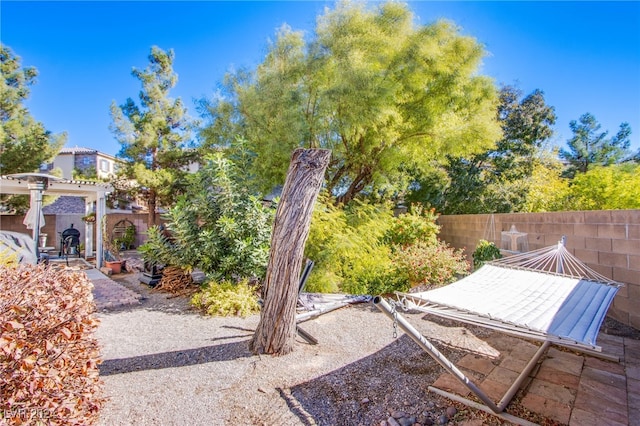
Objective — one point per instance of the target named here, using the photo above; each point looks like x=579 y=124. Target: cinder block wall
x=607 y=241
x=139 y=220
x=14 y=223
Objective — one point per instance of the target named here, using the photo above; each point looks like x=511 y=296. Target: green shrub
x=364 y=249
x=217 y=227
x=348 y=247
x=48 y=353
x=430 y=264
x=226 y=298
x=484 y=252
x=418 y=225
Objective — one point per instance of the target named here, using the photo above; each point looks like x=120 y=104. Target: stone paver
x=633 y=395
x=449 y=383
x=564 y=361
x=552 y=391
x=547 y=407
x=477 y=363
x=503 y=375
x=580 y=417
x=108 y=294
x=573 y=389
x=548 y=373
x=616 y=411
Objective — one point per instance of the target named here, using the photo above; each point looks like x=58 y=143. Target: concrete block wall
x=53 y=226
x=139 y=220
x=607 y=241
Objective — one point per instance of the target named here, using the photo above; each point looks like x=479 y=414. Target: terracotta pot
x=116 y=267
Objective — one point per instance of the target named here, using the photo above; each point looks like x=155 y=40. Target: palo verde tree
x=384 y=94
x=26 y=144
x=590 y=147
x=154 y=135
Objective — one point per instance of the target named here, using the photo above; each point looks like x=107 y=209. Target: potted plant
x=112 y=257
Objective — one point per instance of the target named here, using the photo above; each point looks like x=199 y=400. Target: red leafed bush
x=431 y=264
x=48 y=354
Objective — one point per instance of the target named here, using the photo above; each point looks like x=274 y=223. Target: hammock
x=546 y=295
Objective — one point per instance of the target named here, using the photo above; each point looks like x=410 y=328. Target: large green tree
x=384 y=94
x=26 y=143
x=154 y=135
x=496 y=180
x=590 y=147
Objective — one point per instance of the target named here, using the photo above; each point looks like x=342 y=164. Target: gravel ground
x=165 y=364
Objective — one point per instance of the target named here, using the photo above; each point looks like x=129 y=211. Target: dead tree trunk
x=276 y=331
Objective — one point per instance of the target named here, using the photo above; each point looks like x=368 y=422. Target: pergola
x=37 y=184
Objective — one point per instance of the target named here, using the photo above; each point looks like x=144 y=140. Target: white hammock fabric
x=523 y=295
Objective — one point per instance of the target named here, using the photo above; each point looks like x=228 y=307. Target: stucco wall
x=607 y=241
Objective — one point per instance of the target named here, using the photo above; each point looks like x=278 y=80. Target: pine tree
x=26 y=144
x=589 y=146
x=154 y=135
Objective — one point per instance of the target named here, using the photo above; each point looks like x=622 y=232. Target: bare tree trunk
x=151 y=204
x=276 y=331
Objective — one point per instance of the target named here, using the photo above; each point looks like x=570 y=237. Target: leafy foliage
x=226 y=298
x=8 y=257
x=418 y=225
x=384 y=94
x=364 y=249
x=589 y=146
x=48 y=353
x=606 y=188
x=548 y=191
x=26 y=144
x=484 y=252
x=496 y=180
x=431 y=264
x=347 y=246
x=216 y=226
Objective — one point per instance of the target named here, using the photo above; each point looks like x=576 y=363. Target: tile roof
x=78 y=150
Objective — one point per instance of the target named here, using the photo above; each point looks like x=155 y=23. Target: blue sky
x=585 y=56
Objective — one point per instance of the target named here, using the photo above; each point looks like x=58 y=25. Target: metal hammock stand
x=546 y=295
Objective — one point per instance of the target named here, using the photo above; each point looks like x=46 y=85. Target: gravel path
x=166 y=365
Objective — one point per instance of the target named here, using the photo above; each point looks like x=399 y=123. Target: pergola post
x=36 y=187
x=101 y=208
x=88 y=229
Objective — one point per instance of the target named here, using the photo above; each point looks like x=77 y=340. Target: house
x=80 y=164
x=83 y=162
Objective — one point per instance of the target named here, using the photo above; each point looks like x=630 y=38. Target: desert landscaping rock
x=166 y=364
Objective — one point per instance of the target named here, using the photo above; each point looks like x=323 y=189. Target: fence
x=607 y=241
